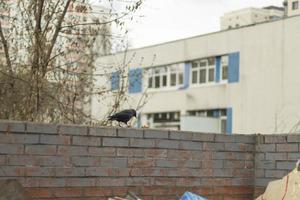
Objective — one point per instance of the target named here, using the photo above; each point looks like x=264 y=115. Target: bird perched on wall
x=123 y=116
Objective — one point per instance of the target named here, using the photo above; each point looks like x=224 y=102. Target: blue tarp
x=191 y=196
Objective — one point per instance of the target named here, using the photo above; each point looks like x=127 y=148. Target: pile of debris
x=130 y=196
x=185 y=196
x=286 y=188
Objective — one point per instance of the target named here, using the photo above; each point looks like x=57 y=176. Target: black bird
x=123 y=116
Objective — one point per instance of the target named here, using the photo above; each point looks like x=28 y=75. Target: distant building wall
x=249 y=16
x=60 y=161
x=263 y=99
x=292 y=7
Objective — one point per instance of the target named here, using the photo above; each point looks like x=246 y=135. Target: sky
x=161 y=21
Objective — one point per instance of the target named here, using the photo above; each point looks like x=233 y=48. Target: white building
x=291 y=7
x=249 y=16
x=243 y=80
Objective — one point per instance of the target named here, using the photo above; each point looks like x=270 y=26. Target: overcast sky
x=167 y=20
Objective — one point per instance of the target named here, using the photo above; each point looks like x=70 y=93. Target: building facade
x=250 y=16
x=291 y=7
x=243 y=80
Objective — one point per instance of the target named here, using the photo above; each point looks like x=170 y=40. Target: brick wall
x=78 y=162
x=276 y=155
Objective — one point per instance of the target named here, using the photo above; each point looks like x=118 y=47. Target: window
x=224 y=68
x=157 y=77
x=176 y=75
x=219 y=114
x=166 y=117
x=115 y=81
x=223 y=117
x=203 y=71
x=163 y=77
x=295 y=5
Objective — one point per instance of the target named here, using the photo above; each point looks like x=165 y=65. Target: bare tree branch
x=5 y=47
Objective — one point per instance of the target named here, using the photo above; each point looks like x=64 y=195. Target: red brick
x=157 y=153
x=157 y=190
x=101 y=171
x=123 y=191
x=97 y=192
x=80 y=182
x=146 y=197
x=287 y=147
x=69 y=171
x=203 y=191
x=165 y=181
x=233 y=190
x=102 y=151
x=46 y=182
x=11 y=148
x=180 y=154
x=40 y=171
x=216 y=181
x=72 y=150
x=140 y=162
x=67 y=192
x=139 y=181
x=238 y=197
x=243 y=173
x=165 y=197
x=258 y=191
x=14 y=171
x=111 y=182
x=55 y=139
x=86 y=141
x=130 y=152
x=119 y=191
x=39 y=192
x=178 y=190
x=3 y=160
x=188 y=182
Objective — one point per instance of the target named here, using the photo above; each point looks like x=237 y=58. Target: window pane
x=180 y=78
x=223 y=125
x=223 y=112
x=194 y=65
x=203 y=63
x=192 y=113
x=150 y=82
x=224 y=72
x=211 y=61
x=224 y=60
x=157 y=70
x=295 y=5
x=173 y=79
x=210 y=113
x=203 y=76
x=164 y=79
x=157 y=80
x=174 y=68
x=195 y=77
x=201 y=113
x=211 y=75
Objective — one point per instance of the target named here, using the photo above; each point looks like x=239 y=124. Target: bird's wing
x=122 y=114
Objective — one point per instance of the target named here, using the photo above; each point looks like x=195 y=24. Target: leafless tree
x=47 y=58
